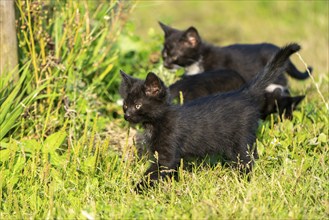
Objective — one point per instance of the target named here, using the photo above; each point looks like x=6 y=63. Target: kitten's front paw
x=143 y=185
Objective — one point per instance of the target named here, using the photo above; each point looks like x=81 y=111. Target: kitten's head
x=181 y=48
x=282 y=102
x=143 y=100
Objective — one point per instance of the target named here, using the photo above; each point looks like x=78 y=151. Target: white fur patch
x=273 y=87
x=175 y=67
x=195 y=68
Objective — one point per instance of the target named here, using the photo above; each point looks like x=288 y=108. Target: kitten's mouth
x=131 y=120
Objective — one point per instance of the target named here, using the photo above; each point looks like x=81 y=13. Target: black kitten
x=186 y=49
x=277 y=98
x=205 y=84
x=223 y=123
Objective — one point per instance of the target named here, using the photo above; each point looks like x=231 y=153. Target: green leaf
x=51 y=144
x=11 y=121
x=29 y=146
x=7 y=104
x=4 y=155
x=55 y=140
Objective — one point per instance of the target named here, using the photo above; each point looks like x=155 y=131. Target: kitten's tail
x=276 y=66
x=295 y=73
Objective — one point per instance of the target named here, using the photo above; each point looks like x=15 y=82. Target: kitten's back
x=216 y=124
x=211 y=82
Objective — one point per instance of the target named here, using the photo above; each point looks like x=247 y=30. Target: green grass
x=67 y=153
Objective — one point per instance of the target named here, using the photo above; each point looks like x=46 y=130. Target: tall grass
x=65 y=151
x=50 y=118
x=71 y=45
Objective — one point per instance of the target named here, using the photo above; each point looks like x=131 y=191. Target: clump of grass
x=72 y=45
x=51 y=117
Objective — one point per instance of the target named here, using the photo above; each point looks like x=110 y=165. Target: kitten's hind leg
x=242 y=157
x=248 y=158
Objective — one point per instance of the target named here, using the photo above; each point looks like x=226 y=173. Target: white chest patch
x=195 y=68
x=273 y=87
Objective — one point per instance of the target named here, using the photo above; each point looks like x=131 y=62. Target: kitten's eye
x=138 y=106
x=124 y=105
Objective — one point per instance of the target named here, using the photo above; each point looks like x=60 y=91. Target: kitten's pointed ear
x=125 y=84
x=297 y=99
x=289 y=102
x=125 y=77
x=166 y=29
x=153 y=85
x=192 y=37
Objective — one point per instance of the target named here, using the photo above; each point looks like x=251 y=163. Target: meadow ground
x=66 y=151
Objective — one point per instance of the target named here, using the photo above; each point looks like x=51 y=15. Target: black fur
x=200 y=85
x=211 y=82
x=223 y=123
x=183 y=48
